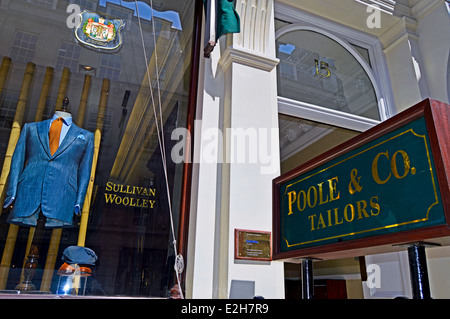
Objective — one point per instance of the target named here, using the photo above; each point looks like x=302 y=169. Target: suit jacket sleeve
x=17 y=166
x=84 y=171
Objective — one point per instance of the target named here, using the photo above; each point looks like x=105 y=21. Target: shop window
x=123 y=116
x=23 y=46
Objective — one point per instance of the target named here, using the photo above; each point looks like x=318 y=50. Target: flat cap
x=79 y=255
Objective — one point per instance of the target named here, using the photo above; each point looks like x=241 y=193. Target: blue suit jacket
x=55 y=183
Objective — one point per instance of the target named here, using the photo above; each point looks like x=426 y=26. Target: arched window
x=330 y=73
x=332 y=84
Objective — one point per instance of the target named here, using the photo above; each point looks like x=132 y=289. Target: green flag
x=227 y=18
x=226 y=21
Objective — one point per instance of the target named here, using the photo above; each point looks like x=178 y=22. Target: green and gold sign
x=385 y=186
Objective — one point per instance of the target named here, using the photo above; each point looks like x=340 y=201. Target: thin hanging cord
x=157 y=81
x=178 y=261
x=163 y=152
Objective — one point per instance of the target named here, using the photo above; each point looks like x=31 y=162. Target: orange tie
x=54 y=133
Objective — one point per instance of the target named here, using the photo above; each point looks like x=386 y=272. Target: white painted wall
x=237 y=90
x=434 y=45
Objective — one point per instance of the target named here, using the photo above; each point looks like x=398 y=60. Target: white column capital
x=257 y=33
x=247 y=57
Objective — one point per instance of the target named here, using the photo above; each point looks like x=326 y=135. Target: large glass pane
x=318 y=70
x=126 y=75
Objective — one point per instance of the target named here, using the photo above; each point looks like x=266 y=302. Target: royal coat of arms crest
x=99 y=31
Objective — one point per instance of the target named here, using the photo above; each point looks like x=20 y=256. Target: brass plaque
x=253 y=245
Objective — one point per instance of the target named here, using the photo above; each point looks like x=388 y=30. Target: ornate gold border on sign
x=368 y=230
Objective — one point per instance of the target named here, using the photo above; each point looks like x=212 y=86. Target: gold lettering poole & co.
x=127 y=195
x=329 y=191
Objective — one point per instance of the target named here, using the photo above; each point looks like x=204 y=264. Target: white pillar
x=416 y=49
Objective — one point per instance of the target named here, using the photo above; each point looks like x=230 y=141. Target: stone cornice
x=422 y=8
x=248 y=58
x=399 y=31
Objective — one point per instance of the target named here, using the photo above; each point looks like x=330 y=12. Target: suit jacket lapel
x=42 y=131
x=71 y=135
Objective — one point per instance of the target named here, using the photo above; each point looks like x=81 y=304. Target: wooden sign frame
x=437 y=120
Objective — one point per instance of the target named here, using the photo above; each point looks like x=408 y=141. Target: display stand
x=33 y=257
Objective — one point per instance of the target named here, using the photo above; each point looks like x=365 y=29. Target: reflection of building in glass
x=315 y=69
x=68 y=56
x=311 y=76
x=23 y=46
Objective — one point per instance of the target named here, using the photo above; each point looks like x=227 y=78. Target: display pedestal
x=33 y=257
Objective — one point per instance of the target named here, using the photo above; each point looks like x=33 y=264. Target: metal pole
x=307 y=279
x=418 y=271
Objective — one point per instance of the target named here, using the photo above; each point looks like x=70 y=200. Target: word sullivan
x=127 y=195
